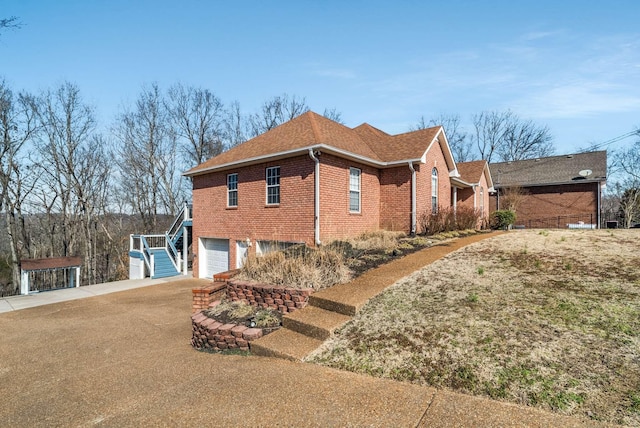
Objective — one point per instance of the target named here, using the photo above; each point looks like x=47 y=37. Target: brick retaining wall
x=204 y=296
x=213 y=335
x=268 y=296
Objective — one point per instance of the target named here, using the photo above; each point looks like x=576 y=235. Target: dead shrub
x=297 y=267
x=446 y=220
x=468 y=218
x=378 y=240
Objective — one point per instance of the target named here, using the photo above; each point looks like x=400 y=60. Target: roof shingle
x=551 y=170
x=311 y=130
x=471 y=172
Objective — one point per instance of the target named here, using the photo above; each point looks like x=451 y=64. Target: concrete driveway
x=124 y=359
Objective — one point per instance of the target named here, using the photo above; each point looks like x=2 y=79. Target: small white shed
x=70 y=264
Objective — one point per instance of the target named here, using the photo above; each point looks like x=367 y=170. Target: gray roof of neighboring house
x=563 y=169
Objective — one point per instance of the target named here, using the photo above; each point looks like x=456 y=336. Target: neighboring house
x=472 y=188
x=312 y=180
x=553 y=192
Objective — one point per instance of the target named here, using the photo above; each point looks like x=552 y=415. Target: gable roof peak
x=311 y=130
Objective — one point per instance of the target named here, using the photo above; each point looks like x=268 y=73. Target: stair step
x=332 y=305
x=314 y=322
x=286 y=344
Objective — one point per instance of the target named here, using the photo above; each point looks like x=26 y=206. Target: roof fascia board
x=461 y=182
x=446 y=151
x=487 y=173
x=303 y=150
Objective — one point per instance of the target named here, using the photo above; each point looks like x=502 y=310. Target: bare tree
x=9 y=23
x=333 y=114
x=511 y=198
x=523 y=139
x=490 y=128
x=147 y=161
x=276 y=111
x=459 y=141
x=74 y=166
x=630 y=206
x=235 y=126
x=197 y=116
x=17 y=126
x=505 y=135
x=66 y=125
x=628 y=187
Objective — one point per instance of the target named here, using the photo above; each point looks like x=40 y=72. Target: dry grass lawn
x=549 y=319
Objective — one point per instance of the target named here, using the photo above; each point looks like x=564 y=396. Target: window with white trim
x=354 y=190
x=481 y=201
x=273 y=185
x=232 y=190
x=434 y=190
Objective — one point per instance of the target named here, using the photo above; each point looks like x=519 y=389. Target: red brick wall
x=470 y=199
x=486 y=197
x=395 y=191
x=385 y=201
x=549 y=202
x=435 y=159
x=466 y=197
x=336 y=221
x=395 y=198
x=291 y=220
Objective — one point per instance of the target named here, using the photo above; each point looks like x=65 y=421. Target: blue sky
x=571 y=65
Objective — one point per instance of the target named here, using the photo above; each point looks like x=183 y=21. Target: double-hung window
x=232 y=190
x=434 y=191
x=273 y=185
x=354 y=190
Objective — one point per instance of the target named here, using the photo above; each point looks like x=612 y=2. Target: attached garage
x=214 y=257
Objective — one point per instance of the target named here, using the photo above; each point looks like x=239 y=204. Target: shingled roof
x=310 y=130
x=551 y=170
x=50 y=263
x=471 y=172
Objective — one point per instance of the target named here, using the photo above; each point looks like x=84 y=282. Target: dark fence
x=577 y=221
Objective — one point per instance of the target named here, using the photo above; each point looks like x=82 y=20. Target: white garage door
x=216 y=253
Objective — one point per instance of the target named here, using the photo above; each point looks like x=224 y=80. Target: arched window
x=434 y=190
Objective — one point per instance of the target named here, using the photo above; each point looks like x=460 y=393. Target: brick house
x=312 y=180
x=472 y=188
x=554 y=192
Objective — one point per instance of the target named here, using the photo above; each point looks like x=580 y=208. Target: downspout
x=413 y=198
x=599 y=205
x=316 y=183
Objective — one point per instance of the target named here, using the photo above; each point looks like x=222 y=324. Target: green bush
x=502 y=219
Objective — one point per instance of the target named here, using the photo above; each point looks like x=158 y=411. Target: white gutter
x=316 y=182
x=413 y=198
x=289 y=153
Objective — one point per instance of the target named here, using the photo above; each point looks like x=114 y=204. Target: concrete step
x=314 y=322
x=331 y=304
x=286 y=344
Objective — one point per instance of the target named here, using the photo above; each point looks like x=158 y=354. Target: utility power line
x=615 y=140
